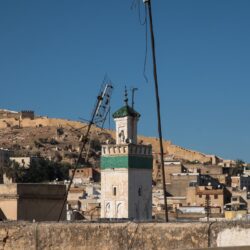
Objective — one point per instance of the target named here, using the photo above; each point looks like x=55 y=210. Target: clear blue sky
x=54 y=55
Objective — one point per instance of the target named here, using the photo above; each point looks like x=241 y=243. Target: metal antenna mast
x=133 y=96
x=97 y=117
x=148 y=4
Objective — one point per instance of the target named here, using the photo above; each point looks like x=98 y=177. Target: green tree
x=239 y=168
x=14 y=171
x=40 y=170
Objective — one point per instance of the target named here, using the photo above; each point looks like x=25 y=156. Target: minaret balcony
x=127 y=149
x=126 y=156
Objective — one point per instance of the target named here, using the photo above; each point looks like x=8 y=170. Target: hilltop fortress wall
x=188 y=155
x=37 y=122
x=177 y=151
x=169 y=148
x=130 y=235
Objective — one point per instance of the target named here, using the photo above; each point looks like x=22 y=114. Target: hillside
x=58 y=139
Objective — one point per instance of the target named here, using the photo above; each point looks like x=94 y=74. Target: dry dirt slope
x=59 y=139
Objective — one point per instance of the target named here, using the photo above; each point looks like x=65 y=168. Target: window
x=114 y=191
x=140 y=191
x=200 y=195
x=216 y=196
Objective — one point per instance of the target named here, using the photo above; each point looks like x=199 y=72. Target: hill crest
x=27 y=134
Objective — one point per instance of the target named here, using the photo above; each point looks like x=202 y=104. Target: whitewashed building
x=126 y=171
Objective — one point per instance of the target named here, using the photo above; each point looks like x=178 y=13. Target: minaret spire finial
x=126 y=96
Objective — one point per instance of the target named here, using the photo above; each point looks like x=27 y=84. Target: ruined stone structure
x=27 y=114
x=8 y=114
x=5 y=114
x=126 y=171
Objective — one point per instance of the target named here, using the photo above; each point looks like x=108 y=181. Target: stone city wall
x=22 y=235
x=189 y=155
x=38 y=122
x=176 y=151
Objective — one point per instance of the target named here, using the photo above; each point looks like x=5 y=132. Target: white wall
x=140 y=207
x=235 y=236
x=114 y=206
x=127 y=203
x=129 y=127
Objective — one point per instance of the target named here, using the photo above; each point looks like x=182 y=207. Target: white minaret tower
x=126 y=120
x=126 y=171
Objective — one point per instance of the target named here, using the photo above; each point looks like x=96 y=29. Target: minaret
x=126 y=119
x=126 y=171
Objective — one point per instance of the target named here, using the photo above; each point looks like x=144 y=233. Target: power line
x=142 y=22
x=148 y=4
x=146 y=46
x=136 y=4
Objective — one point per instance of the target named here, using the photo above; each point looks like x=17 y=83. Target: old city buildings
x=120 y=186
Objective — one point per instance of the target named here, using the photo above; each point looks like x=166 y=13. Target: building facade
x=25 y=161
x=203 y=196
x=40 y=202
x=85 y=175
x=126 y=171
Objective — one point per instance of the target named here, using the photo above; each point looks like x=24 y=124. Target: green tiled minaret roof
x=126 y=111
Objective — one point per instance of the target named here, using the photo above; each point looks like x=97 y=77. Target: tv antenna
x=99 y=114
x=133 y=95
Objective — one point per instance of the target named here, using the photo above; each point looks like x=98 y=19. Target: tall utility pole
x=148 y=5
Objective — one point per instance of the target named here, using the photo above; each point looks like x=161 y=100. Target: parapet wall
x=23 y=235
x=124 y=149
